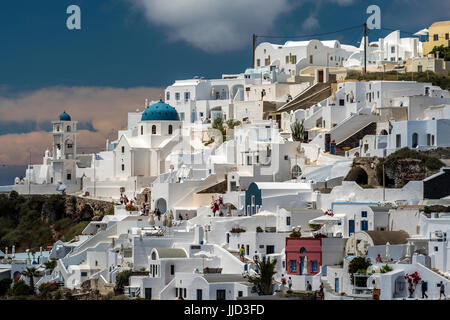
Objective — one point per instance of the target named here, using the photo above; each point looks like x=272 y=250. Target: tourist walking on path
x=283 y=283
x=424 y=289
x=290 y=283
x=321 y=293
x=241 y=252
x=441 y=290
x=308 y=286
x=255 y=257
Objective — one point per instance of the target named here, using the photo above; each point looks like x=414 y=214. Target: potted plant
x=413 y=279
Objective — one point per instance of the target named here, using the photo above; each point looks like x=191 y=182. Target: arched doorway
x=161 y=204
x=359 y=175
x=383 y=132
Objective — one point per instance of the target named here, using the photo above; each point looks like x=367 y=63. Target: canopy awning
x=325 y=219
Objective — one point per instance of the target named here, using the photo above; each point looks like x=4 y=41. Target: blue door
x=302 y=262
x=228 y=237
x=336 y=285
x=364 y=225
x=351 y=227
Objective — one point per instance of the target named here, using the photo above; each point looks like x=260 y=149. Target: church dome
x=64 y=117
x=160 y=111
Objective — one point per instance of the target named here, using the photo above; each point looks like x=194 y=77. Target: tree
x=263 y=279
x=31 y=273
x=50 y=265
x=298 y=131
x=444 y=52
x=358 y=264
x=122 y=280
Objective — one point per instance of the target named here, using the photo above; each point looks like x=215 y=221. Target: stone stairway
x=308 y=98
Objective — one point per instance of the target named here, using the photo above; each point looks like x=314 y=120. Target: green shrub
x=5 y=285
x=75 y=230
x=63 y=224
x=20 y=288
x=295 y=234
x=259 y=229
x=386 y=268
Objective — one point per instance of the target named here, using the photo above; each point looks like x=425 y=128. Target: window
x=436 y=37
x=187 y=95
x=341 y=102
x=177 y=96
x=170 y=129
x=288 y=221
x=153 y=256
x=172 y=269
x=302 y=250
x=142 y=130
x=311 y=59
x=240 y=293
x=185 y=292
x=123 y=149
x=84 y=274
x=293 y=265
x=428 y=139
x=69 y=176
x=176 y=292
x=392 y=49
x=364 y=214
x=432 y=139
x=167 y=95
x=398 y=141
x=153 y=129
x=258 y=62
x=447 y=36
x=287 y=59
x=123 y=167
x=249 y=160
x=68 y=128
x=313 y=266
x=270 y=249
x=294 y=59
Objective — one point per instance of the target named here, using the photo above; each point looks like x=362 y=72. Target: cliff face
x=78 y=209
x=405 y=170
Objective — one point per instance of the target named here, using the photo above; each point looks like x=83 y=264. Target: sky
x=129 y=50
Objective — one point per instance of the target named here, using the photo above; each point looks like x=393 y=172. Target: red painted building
x=301 y=251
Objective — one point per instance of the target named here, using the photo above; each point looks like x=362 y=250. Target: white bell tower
x=64 y=150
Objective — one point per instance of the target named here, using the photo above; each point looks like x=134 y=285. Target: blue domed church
x=142 y=150
x=159 y=119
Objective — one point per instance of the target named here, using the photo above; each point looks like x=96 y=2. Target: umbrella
x=203 y=254
x=325 y=219
x=305 y=265
x=388 y=251
x=151 y=220
x=61 y=187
